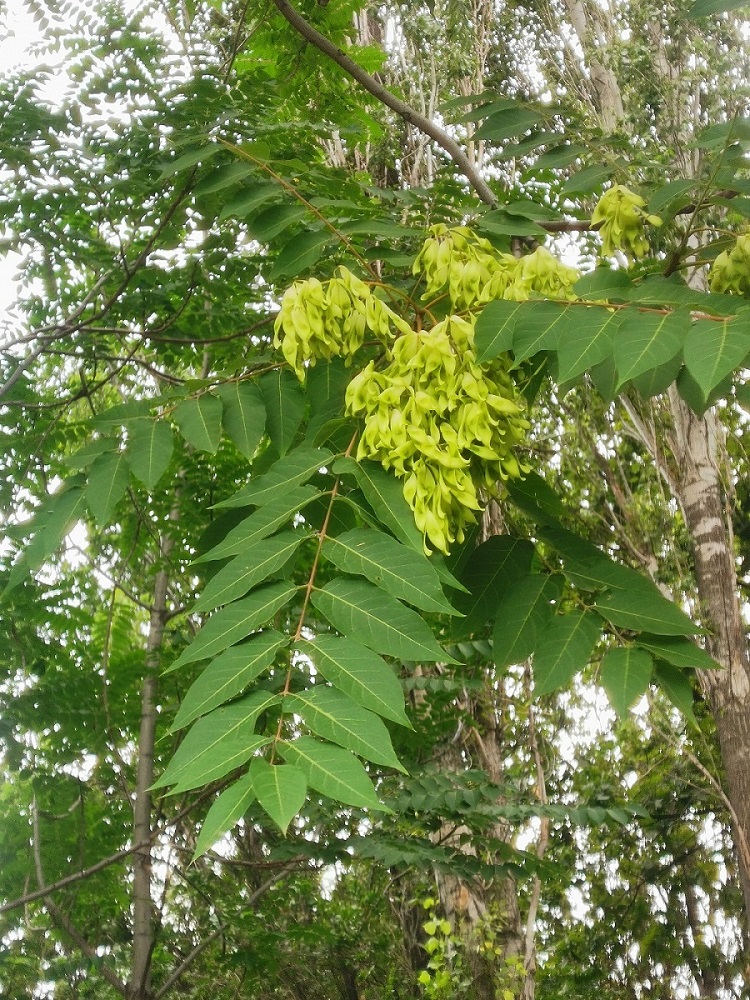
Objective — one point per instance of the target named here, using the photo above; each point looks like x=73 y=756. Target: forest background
x=283 y=715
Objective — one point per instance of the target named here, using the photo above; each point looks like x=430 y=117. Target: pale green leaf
x=331 y=715
x=50 y=525
x=291 y=470
x=248 y=201
x=362 y=611
x=679 y=651
x=644 y=609
x=285 y=406
x=199 y=154
x=261 y=523
x=227 y=810
x=403 y=572
x=236 y=621
x=199 y=420
x=677 y=686
x=218 y=742
x=244 y=416
x=625 y=675
x=281 y=789
x=332 y=771
x=647 y=340
x=91 y=451
x=521 y=615
x=714 y=348
x=360 y=673
x=108 y=481
x=268 y=224
x=228 y=675
x=261 y=560
x=149 y=450
x=564 y=648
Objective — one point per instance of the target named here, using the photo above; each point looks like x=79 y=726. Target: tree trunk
x=702 y=500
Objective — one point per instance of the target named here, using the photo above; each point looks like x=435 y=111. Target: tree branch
x=382 y=94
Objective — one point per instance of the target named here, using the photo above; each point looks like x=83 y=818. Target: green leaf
x=564 y=648
x=521 y=615
x=503 y=223
x=244 y=415
x=604 y=283
x=228 y=675
x=678 y=651
x=108 y=480
x=285 y=406
x=540 y=327
x=713 y=349
x=217 y=743
x=149 y=450
x=333 y=716
x=190 y=159
x=587 y=341
x=50 y=525
x=509 y=123
x=588 y=567
x=495 y=329
x=281 y=789
x=705 y=8
x=646 y=340
x=360 y=673
x=493 y=567
x=332 y=771
x=300 y=252
x=199 y=420
x=362 y=611
x=401 y=571
x=260 y=524
x=536 y=498
x=560 y=157
x=236 y=621
x=227 y=810
x=245 y=571
x=677 y=686
x=644 y=608
x=267 y=225
x=91 y=451
x=625 y=675
x=385 y=495
x=669 y=193
x=588 y=179
x=658 y=380
x=290 y=471
x=247 y=202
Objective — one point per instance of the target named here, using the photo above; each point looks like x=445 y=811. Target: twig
x=382 y=94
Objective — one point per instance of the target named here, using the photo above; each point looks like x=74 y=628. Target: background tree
x=142 y=381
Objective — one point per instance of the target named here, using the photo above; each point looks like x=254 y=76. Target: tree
x=149 y=385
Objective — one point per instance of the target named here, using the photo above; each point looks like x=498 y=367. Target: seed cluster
x=620 y=212
x=731 y=269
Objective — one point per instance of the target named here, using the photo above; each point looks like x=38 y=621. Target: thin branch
x=61 y=918
x=201 y=947
x=382 y=94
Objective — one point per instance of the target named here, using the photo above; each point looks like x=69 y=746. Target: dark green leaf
x=199 y=420
x=227 y=810
x=228 y=675
x=677 y=686
x=521 y=615
x=261 y=561
x=285 y=406
x=495 y=329
x=647 y=340
x=678 y=651
x=625 y=674
x=332 y=771
x=361 y=674
x=400 y=570
x=493 y=567
x=330 y=714
x=149 y=450
x=362 y=611
x=108 y=480
x=281 y=789
x=564 y=648
x=644 y=609
x=713 y=349
x=236 y=621
x=286 y=473
x=299 y=253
